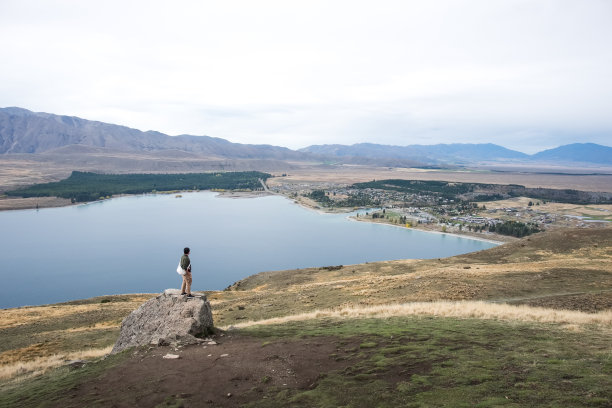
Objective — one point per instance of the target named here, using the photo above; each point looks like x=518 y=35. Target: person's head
x=186 y=251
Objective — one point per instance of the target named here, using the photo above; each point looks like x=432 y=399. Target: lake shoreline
x=156 y=227
x=319 y=210
x=36 y=203
x=311 y=205
x=452 y=234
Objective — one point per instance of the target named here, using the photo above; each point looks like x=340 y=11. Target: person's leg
x=188 y=279
x=183 y=285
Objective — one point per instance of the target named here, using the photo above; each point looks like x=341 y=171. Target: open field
x=347 y=174
x=16 y=173
x=33 y=202
x=592 y=211
x=27 y=169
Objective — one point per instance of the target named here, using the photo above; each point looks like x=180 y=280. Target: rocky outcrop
x=166 y=319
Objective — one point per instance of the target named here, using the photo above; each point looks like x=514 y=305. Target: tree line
x=86 y=186
x=352 y=200
x=514 y=228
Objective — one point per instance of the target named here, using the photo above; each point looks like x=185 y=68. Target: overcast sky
x=525 y=74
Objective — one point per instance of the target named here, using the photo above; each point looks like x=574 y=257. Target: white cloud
x=304 y=72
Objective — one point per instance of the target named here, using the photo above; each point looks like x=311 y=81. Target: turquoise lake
x=133 y=244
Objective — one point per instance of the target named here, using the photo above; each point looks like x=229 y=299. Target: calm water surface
x=133 y=244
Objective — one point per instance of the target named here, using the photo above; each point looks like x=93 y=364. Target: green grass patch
x=437 y=362
x=172 y=401
x=592 y=217
x=368 y=344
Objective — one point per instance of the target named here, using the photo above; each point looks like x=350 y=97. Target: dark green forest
x=514 y=228
x=353 y=200
x=85 y=186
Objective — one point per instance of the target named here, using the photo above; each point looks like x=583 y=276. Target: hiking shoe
x=190 y=295
x=183 y=294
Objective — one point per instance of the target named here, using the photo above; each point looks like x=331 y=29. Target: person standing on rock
x=186 y=266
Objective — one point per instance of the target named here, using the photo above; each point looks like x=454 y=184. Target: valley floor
x=19 y=171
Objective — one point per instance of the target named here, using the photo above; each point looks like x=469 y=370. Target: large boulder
x=166 y=319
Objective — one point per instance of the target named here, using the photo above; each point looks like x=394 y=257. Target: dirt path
x=589 y=302
x=231 y=373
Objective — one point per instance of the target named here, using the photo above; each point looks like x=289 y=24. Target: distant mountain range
x=23 y=131
x=463 y=154
x=577 y=152
x=449 y=153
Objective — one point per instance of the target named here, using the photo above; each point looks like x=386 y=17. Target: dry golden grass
x=34 y=314
x=39 y=337
x=19 y=172
x=40 y=365
x=353 y=174
x=465 y=309
x=597 y=210
x=569 y=269
x=34 y=202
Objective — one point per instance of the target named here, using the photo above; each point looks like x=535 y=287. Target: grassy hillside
x=541 y=270
x=403 y=361
x=523 y=324
x=35 y=338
